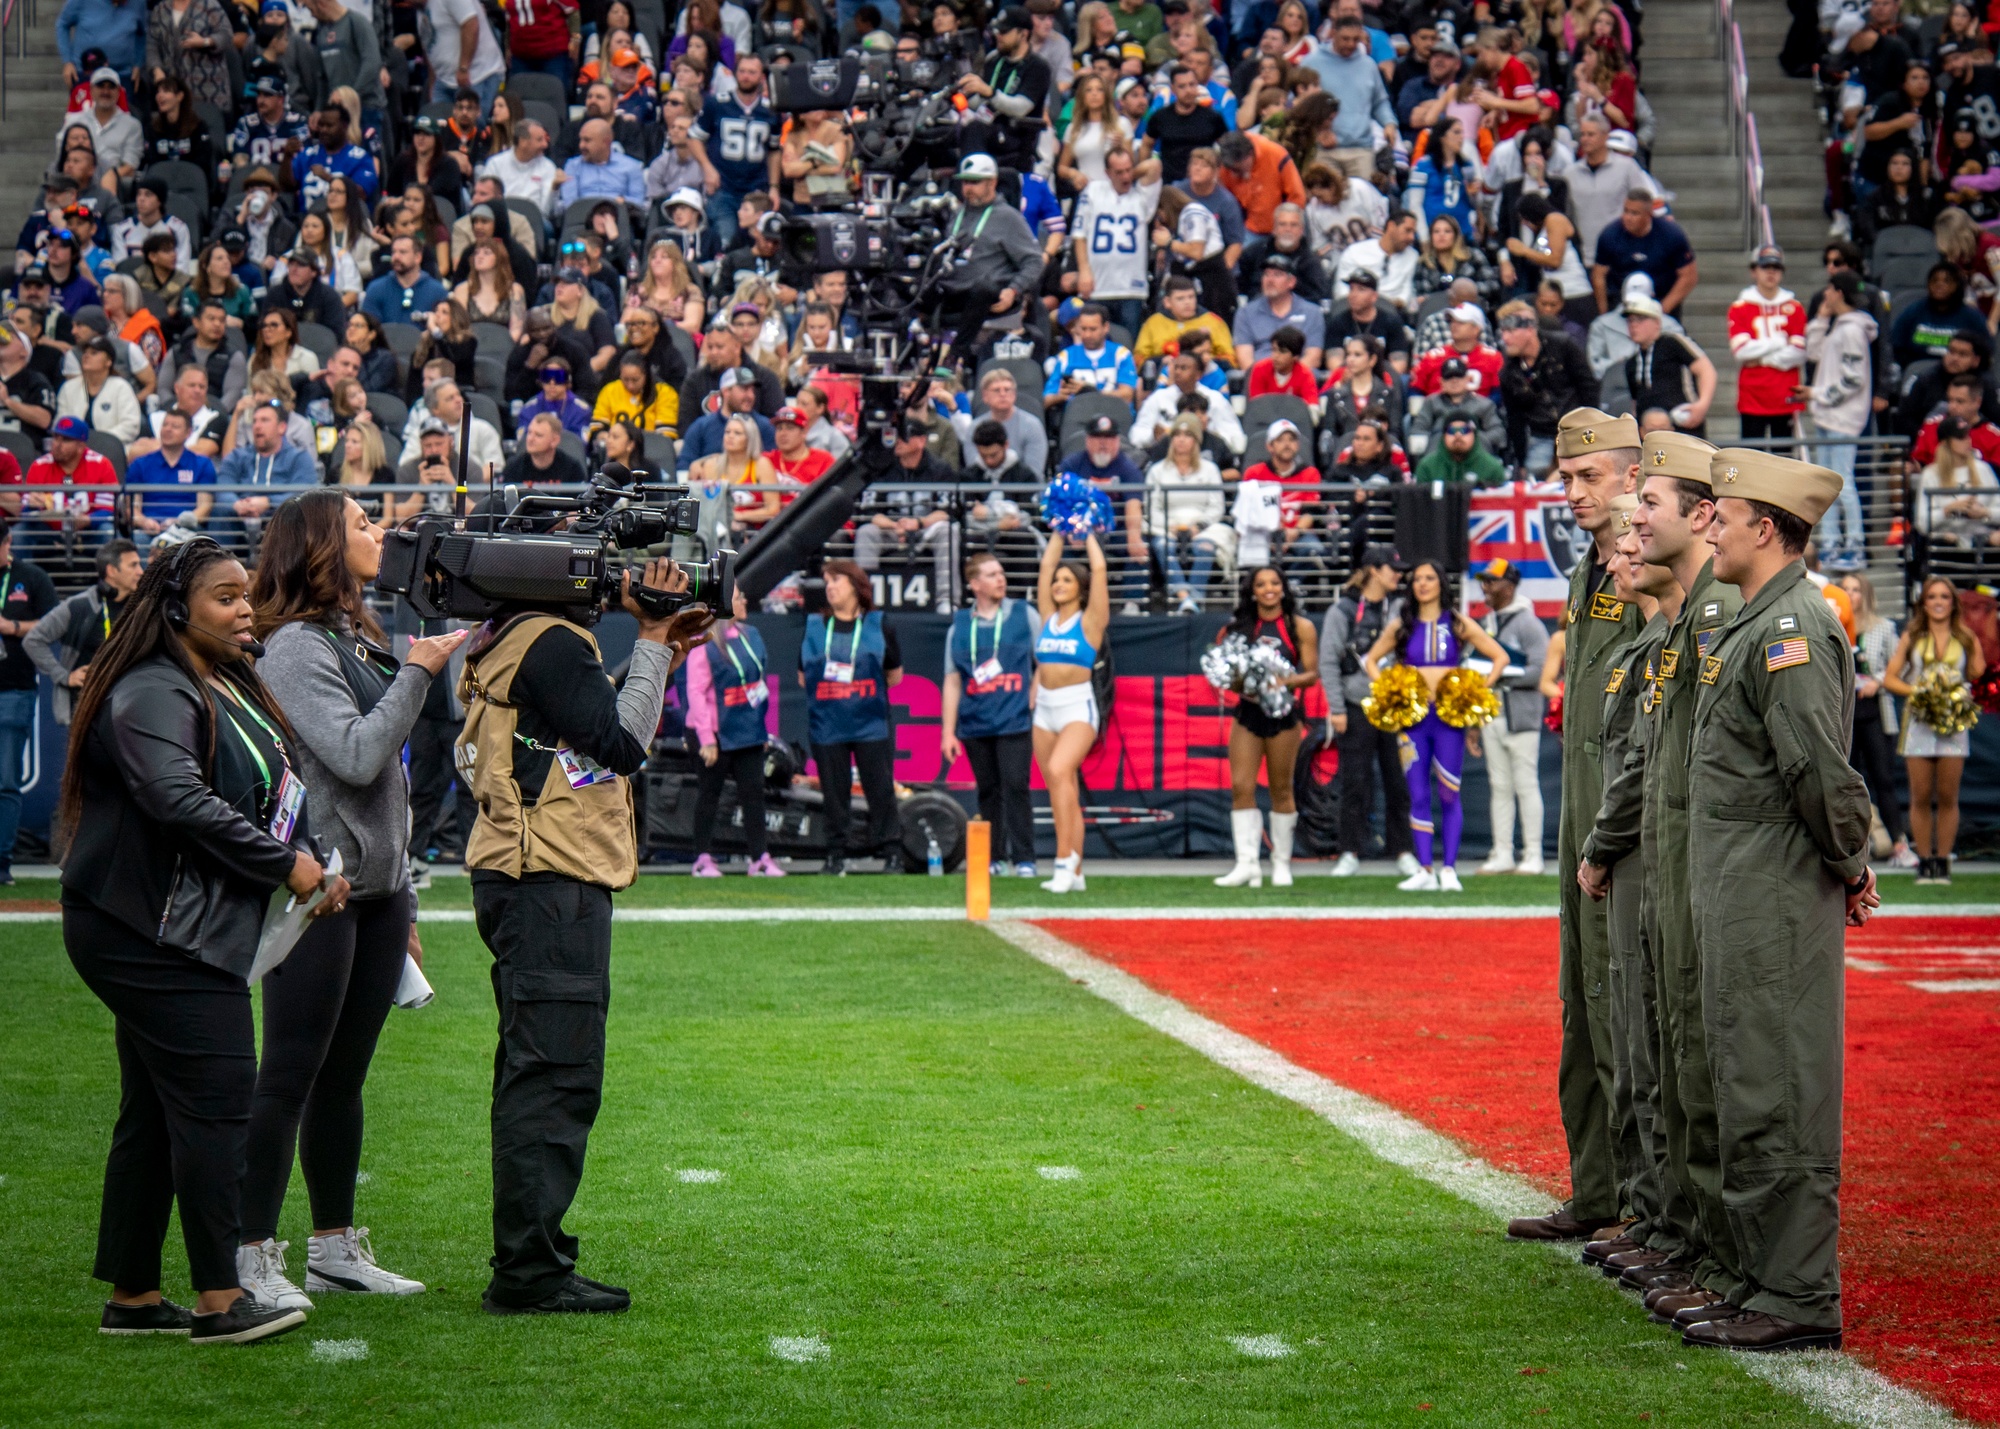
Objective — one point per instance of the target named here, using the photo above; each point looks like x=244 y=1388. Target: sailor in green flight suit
x=1778 y=855
x=1610 y=867
x=1597 y=455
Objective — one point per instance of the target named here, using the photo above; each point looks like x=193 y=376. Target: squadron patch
x=1572 y=612
x=1711 y=669
x=1616 y=682
x=1783 y=654
x=1670 y=661
x=1606 y=607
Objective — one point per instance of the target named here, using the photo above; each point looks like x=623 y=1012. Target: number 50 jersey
x=739 y=142
x=1117 y=231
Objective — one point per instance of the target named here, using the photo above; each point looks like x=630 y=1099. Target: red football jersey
x=1482 y=366
x=1768 y=339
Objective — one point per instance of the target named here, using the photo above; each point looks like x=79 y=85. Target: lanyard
x=979 y=227
x=975 y=638
x=6 y=589
x=729 y=649
x=1013 y=68
x=263 y=769
x=854 y=644
x=105 y=611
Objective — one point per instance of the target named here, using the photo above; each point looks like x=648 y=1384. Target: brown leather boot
x=1759 y=1332
x=1672 y=1282
x=1617 y=1229
x=1596 y=1252
x=1640 y=1259
x=1713 y=1307
x=1558 y=1224
x=1644 y=1277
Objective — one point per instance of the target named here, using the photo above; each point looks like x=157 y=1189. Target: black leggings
x=876 y=760
x=1001 y=765
x=1366 y=754
x=323 y=1009
x=1875 y=756
x=187 y=1060
x=746 y=767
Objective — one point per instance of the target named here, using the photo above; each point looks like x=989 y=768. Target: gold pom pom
x=1944 y=702
x=1397 y=700
x=1465 y=701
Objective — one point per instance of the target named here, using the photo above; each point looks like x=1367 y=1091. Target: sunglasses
x=554 y=374
x=1458 y=429
x=572 y=247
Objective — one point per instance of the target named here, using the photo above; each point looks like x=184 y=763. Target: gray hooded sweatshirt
x=1842 y=386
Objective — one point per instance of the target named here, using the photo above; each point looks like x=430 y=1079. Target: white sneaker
x=1904 y=857
x=1407 y=865
x=1531 y=864
x=1131 y=607
x=1422 y=881
x=1498 y=862
x=420 y=874
x=261 y=1270
x=1347 y=866
x=1447 y=880
x=347 y=1262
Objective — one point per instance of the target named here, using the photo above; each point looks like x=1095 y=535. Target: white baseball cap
x=1641 y=306
x=1466 y=313
x=978 y=166
x=1622 y=141
x=689 y=196
x=1281 y=425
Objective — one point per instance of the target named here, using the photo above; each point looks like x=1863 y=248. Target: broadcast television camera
x=472 y=567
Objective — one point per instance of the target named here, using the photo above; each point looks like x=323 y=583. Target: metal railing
x=1744 y=145
x=15 y=21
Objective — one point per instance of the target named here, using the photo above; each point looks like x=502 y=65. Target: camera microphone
x=615 y=473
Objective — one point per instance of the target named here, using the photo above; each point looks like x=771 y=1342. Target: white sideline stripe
x=1964 y=984
x=1084 y=912
x=1834 y=1384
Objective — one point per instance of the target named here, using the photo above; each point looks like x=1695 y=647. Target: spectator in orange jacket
x=1259 y=175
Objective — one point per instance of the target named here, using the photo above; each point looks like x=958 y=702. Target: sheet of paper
x=285 y=922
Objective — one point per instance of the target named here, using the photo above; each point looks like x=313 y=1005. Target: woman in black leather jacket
x=185 y=818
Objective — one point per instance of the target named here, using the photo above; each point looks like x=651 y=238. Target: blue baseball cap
x=75 y=428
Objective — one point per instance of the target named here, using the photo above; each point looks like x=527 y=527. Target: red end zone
x=1456 y=1024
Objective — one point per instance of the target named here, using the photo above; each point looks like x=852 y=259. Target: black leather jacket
x=155 y=846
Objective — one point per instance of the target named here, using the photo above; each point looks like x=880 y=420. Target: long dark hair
x=864 y=588
x=1406 y=604
x=141 y=634
x=1244 y=618
x=302 y=570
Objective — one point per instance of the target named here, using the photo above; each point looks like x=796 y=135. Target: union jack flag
x=1512 y=522
x=1783 y=654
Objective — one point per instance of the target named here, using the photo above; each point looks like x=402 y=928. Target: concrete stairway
x=1686 y=82
x=36 y=98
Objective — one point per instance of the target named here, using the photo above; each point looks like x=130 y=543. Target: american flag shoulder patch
x=1783 y=654
x=1701 y=639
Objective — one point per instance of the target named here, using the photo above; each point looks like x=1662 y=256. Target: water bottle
x=934 y=856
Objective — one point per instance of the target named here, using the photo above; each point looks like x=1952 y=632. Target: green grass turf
x=878 y=1098
x=1313 y=890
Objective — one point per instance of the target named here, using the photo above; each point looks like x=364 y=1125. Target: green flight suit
x=1597 y=623
x=1614 y=844
x=1693 y=1181
x=1778 y=824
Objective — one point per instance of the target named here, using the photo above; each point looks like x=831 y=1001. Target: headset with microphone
x=176 y=602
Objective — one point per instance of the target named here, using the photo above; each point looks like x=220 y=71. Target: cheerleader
x=1075 y=606
x=1431 y=640
x=1267 y=615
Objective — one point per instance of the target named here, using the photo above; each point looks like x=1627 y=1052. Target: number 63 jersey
x=1117 y=231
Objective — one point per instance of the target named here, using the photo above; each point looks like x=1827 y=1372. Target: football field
x=863 y=1163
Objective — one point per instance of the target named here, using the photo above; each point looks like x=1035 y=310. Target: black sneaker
x=600 y=1285
x=1941 y=870
x=575 y=1296
x=165 y=1318
x=242 y=1323
x=834 y=867
x=6 y=877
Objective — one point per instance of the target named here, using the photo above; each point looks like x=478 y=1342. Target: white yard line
x=1834 y=1384
x=1964 y=984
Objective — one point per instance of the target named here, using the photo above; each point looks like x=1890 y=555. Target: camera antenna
x=464 y=450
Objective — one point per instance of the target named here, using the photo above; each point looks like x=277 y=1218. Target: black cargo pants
x=550 y=937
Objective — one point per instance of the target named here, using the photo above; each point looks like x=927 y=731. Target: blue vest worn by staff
x=845 y=711
x=736 y=665
x=995 y=698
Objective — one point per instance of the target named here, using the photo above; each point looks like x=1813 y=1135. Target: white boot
x=347 y=1262
x=1247 y=827
x=1283 y=826
x=260 y=1269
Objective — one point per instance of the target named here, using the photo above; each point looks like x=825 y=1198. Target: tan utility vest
x=585 y=834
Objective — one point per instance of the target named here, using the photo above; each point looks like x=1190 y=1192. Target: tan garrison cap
x=1799 y=487
x=1584 y=430
x=1622 y=508
x=1675 y=454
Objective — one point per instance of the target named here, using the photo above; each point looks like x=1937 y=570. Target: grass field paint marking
x=1383 y=1130
x=1963 y=984
x=1261 y=1347
x=1844 y=1389
x=1059 y=1173
x=800 y=1349
x=1836 y=1385
x=338 y=1351
x=696 y=1176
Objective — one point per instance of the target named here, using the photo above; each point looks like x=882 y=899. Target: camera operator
x=1014 y=82
x=549 y=747
x=999 y=261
